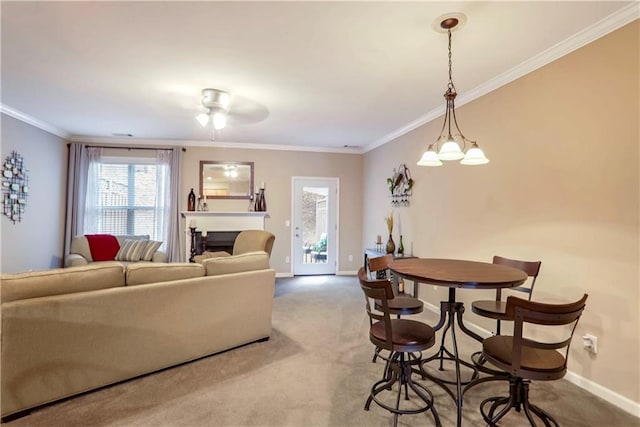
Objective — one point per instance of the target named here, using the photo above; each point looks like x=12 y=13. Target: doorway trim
x=335 y=181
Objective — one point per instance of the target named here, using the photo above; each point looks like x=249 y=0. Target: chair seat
x=403 y=305
x=535 y=360
x=407 y=335
x=490 y=308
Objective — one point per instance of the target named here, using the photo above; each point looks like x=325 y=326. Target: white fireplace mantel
x=220 y=221
x=224 y=221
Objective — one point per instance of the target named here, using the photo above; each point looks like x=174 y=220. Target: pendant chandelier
x=447 y=145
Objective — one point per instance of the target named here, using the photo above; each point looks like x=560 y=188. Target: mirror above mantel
x=226 y=180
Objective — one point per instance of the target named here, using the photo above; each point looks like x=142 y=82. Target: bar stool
x=400 y=305
x=496 y=308
x=524 y=359
x=405 y=340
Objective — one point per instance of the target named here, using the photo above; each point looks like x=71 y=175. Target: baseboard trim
x=339 y=273
x=602 y=392
x=284 y=275
x=594 y=388
x=346 y=273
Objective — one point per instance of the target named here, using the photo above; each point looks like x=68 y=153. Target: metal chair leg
x=400 y=370
x=518 y=399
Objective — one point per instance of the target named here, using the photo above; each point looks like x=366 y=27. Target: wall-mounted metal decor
x=15 y=187
x=400 y=185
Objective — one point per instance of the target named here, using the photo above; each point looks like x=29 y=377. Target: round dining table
x=453 y=274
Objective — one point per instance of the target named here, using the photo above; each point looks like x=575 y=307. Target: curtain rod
x=129 y=148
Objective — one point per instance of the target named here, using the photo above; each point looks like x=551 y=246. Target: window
x=125 y=199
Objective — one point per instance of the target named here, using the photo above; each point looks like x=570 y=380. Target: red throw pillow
x=103 y=247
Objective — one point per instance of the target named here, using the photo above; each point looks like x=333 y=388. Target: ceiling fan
x=220 y=108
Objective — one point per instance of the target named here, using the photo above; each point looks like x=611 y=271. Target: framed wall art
x=15 y=187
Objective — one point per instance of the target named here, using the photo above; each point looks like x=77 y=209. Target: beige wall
x=36 y=242
x=562 y=186
x=276 y=168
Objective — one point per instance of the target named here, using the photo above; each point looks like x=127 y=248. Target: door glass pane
x=314 y=224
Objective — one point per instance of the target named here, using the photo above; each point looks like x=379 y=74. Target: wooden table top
x=458 y=273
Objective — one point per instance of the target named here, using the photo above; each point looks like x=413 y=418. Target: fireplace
x=215 y=241
x=222 y=227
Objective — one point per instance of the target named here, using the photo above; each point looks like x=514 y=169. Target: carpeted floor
x=315 y=370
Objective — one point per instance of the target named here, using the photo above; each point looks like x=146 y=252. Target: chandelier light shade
x=216 y=103
x=451 y=143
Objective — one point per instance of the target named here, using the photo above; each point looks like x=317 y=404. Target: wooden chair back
x=378 y=266
x=380 y=291
x=522 y=311
x=532 y=268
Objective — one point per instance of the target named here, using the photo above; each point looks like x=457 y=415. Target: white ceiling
x=309 y=75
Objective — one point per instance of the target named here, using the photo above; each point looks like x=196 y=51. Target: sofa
x=80 y=252
x=69 y=330
x=246 y=241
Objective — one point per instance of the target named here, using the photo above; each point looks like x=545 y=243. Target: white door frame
x=333 y=181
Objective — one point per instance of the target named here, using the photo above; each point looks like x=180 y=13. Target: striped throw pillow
x=131 y=250
x=150 y=249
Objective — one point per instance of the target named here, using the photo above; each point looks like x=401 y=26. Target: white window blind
x=128 y=194
x=126 y=199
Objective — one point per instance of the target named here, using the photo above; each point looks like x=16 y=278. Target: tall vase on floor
x=391 y=246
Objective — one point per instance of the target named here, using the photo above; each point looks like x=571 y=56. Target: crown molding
x=211 y=144
x=19 y=115
x=581 y=38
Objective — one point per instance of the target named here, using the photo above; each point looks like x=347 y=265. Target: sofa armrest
x=159 y=256
x=248 y=261
x=74 y=260
x=206 y=255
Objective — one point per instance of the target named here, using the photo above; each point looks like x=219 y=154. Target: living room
x=562 y=186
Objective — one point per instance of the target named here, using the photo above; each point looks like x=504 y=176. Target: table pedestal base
x=451 y=312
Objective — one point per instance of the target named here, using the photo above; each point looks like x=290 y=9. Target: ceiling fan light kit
x=447 y=146
x=216 y=102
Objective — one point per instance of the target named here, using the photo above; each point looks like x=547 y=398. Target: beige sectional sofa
x=69 y=330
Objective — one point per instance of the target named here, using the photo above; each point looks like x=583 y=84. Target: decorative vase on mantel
x=391 y=246
x=191 y=201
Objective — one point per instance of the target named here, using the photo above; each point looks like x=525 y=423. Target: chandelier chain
x=450 y=63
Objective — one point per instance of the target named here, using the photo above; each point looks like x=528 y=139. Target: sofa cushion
x=149 y=250
x=131 y=250
x=248 y=261
x=144 y=273
x=122 y=238
x=58 y=281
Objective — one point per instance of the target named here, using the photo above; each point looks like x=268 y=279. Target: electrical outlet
x=590 y=343
x=286 y=259
x=350 y=258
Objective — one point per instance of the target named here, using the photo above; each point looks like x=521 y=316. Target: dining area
x=422 y=359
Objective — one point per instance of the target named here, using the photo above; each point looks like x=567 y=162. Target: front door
x=315 y=210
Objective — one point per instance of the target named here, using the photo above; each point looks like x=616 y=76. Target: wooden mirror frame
x=205 y=163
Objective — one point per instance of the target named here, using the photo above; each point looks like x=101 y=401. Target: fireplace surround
x=222 y=228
